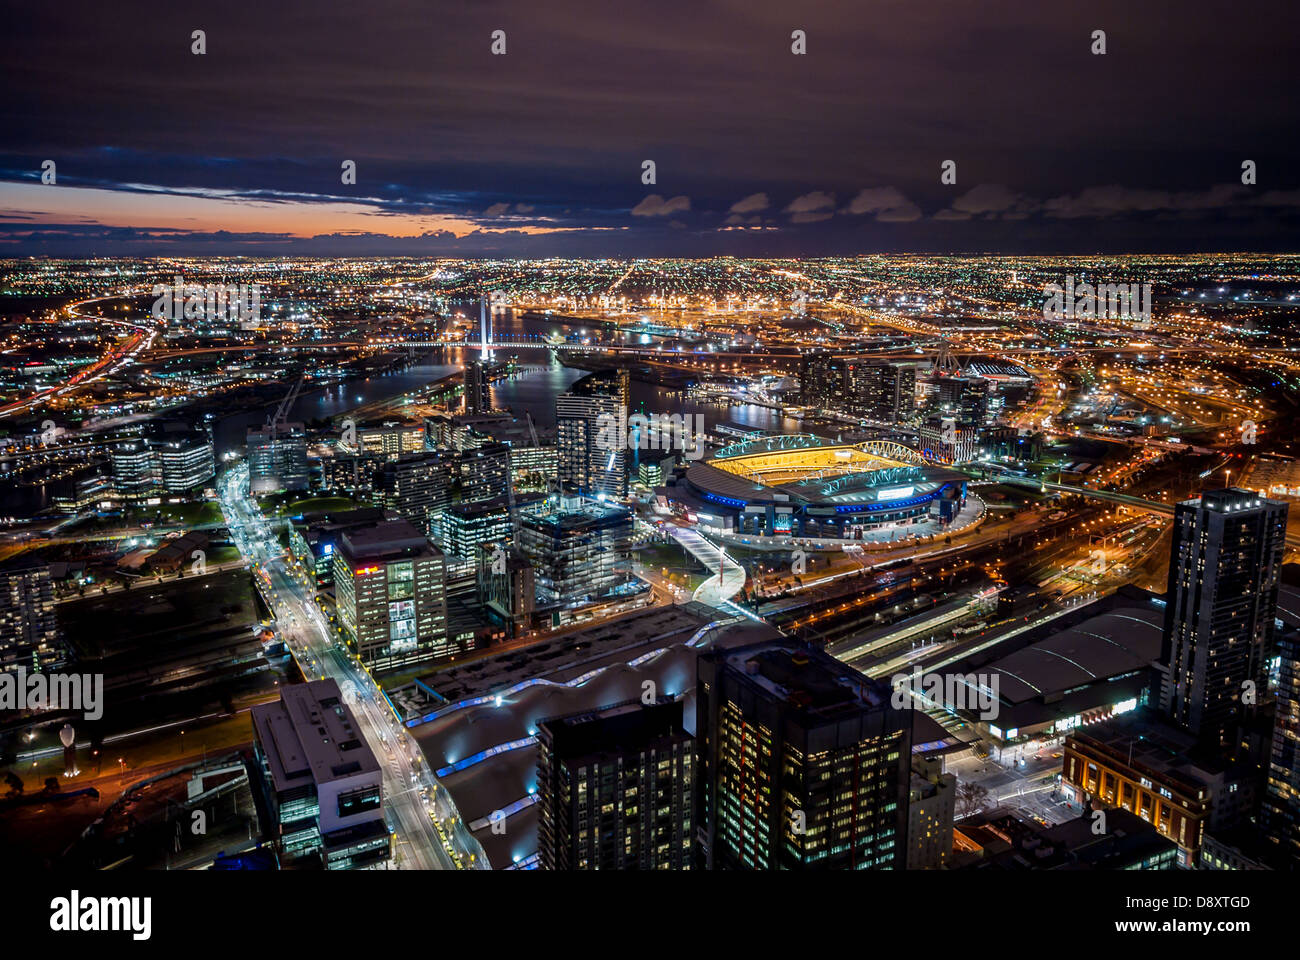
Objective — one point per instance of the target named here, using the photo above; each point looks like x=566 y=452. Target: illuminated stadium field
x=803 y=485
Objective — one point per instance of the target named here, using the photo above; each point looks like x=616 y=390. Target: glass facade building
x=804 y=763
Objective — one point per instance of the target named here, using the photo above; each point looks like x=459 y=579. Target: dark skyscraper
x=614 y=789
x=821 y=379
x=804 y=763
x=1281 y=809
x=884 y=391
x=478 y=388
x=418 y=487
x=1223 y=582
x=484 y=472
x=590 y=419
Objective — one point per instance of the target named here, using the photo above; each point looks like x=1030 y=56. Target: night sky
x=758 y=151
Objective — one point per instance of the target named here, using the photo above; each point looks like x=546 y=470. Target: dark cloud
x=1147 y=140
x=887 y=203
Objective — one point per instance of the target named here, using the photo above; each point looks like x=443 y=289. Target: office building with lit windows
x=965 y=398
x=581 y=557
x=484 y=472
x=591 y=462
x=884 y=391
x=822 y=379
x=1224 y=570
x=132 y=465
x=29 y=628
x=277 y=458
x=945 y=439
x=169 y=459
x=314 y=538
x=348 y=474
x=931 y=808
x=390 y=590
x=389 y=439
x=804 y=764
x=466 y=526
x=321 y=781
x=614 y=789
x=1160 y=773
x=417 y=486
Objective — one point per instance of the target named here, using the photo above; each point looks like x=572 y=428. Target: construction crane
x=945 y=362
x=277 y=419
x=532 y=432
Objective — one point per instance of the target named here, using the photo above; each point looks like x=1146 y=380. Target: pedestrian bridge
x=718 y=589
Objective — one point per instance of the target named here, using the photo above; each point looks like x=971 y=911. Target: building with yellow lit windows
x=804 y=763
x=614 y=788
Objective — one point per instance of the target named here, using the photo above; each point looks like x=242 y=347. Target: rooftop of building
x=1145 y=740
x=1231 y=498
x=601 y=383
x=385 y=540
x=181 y=547
x=570 y=518
x=329 y=520
x=310 y=734
x=282 y=430
x=1114 y=642
x=382 y=423
x=810 y=680
x=613 y=731
x=493 y=448
x=480 y=508
x=1011 y=842
x=502 y=426
x=1110 y=636
x=418 y=457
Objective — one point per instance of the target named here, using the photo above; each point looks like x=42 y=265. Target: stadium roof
x=806 y=469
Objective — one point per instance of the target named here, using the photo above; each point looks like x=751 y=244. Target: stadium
x=803 y=485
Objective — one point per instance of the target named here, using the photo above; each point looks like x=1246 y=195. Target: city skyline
x=947 y=498
x=702 y=436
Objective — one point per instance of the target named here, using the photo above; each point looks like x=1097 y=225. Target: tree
x=51 y=784
x=972 y=798
x=14 y=783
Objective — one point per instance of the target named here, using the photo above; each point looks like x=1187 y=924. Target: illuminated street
x=429 y=834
